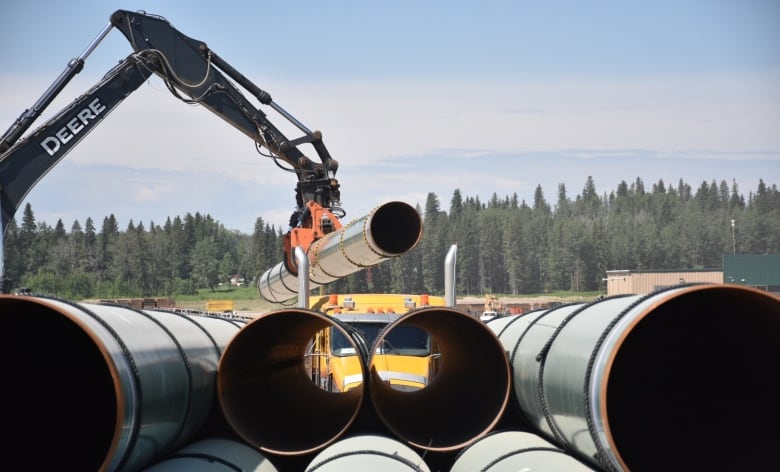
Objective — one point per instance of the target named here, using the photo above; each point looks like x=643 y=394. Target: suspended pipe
x=103 y=387
x=215 y=455
x=388 y=231
x=465 y=397
x=369 y=453
x=516 y=451
x=690 y=371
x=268 y=396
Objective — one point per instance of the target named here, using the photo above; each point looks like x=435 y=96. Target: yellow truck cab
x=407 y=359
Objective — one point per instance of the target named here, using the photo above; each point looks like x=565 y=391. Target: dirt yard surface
x=514 y=300
x=475 y=303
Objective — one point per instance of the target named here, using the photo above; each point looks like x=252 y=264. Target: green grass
x=222 y=293
x=244 y=298
x=565 y=295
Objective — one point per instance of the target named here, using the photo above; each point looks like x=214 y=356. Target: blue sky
x=413 y=97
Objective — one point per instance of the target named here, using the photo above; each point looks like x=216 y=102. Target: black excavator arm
x=188 y=66
x=195 y=74
x=25 y=163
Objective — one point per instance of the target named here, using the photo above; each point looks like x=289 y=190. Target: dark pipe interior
x=696 y=386
x=396 y=227
x=268 y=397
x=58 y=395
x=464 y=400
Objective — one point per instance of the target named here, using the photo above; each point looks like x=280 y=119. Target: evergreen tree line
x=505 y=246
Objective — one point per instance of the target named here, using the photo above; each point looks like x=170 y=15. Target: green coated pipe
x=515 y=451
x=215 y=455
x=368 y=453
x=102 y=387
x=626 y=383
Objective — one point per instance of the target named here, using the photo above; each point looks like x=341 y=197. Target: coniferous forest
x=505 y=245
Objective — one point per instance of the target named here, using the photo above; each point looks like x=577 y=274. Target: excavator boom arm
x=193 y=73
x=190 y=67
x=30 y=159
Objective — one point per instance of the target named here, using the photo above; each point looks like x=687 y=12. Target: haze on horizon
x=413 y=98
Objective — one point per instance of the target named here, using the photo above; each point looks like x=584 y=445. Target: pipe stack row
x=685 y=378
x=103 y=387
x=681 y=379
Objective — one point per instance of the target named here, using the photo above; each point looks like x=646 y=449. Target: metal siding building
x=757 y=270
x=623 y=282
x=761 y=271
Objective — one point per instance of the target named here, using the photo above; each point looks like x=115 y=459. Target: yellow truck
x=220 y=306
x=407 y=358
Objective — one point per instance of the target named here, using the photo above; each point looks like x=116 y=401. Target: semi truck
x=407 y=357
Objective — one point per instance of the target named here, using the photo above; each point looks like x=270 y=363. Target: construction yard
x=473 y=305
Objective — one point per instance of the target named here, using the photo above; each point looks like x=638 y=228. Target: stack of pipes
x=682 y=378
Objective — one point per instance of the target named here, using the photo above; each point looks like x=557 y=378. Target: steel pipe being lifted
x=388 y=231
x=464 y=399
x=104 y=387
x=267 y=395
x=689 y=370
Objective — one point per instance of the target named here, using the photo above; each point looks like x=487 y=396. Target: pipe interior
x=267 y=395
x=396 y=227
x=59 y=396
x=467 y=396
x=697 y=380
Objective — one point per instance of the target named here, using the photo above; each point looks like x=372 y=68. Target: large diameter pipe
x=516 y=451
x=102 y=387
x=267 y=394
x=469 y=384
x=690 y=371
x=388 y=231
x=215 y=455
x=369 y=452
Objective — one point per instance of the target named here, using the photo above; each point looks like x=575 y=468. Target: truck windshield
x=402 y=340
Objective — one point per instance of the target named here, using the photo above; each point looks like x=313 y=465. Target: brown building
x=622 y=282
x=761 y=271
